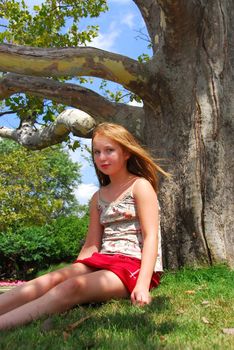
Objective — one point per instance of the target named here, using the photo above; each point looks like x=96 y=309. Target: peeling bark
x=82 y=61
x=71 y=120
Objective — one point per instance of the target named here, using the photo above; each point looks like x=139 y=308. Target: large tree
x=187 y=91
x=36 y=187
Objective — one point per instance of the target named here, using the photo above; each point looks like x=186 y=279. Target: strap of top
x=122 y=195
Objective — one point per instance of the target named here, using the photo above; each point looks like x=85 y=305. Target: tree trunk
x=193 y=111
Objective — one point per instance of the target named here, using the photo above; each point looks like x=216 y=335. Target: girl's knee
x=75 y=284
x=69 y=291
x=56 y=277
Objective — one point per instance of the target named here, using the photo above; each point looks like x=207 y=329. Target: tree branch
x=72 y=95
x=6 y=112
x=82 y=61
x=179 y=20
x=8 y=133
x=71 y=120
x=150 y=12
x=66 y=93
x=97 y=108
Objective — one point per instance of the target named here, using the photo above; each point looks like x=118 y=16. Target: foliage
x=45 y=25
x=35 y=186
x=143 y=58
x=27 y=250
x=174 y=320
x=51 y=24
x=113 y=93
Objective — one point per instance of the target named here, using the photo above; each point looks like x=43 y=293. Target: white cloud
x=129 y=20
x=84 y=192
x=135 y=103
x=106 y=41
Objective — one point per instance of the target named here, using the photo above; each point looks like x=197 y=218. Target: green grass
x=189 y=311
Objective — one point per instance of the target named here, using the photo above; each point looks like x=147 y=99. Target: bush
x=27 y=250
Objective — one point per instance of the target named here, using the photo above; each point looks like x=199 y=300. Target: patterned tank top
x=122 y=231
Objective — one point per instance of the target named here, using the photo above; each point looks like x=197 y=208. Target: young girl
x=121 y=256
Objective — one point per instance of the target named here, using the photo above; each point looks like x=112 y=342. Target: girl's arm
x=147 y=209
x=94 y=235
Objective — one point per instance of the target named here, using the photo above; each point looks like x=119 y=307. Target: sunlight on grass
x=189 y=311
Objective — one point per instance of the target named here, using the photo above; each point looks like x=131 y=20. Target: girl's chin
x=104 y=171
x=107 y=172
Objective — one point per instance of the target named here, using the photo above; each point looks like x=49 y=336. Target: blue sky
x=119 y=32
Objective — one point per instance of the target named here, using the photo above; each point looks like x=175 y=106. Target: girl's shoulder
x=95 y=195
x=141 y=183
x=143 y=188
x=94 y=199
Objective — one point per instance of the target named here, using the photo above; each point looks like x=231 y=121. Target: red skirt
x=125 y=267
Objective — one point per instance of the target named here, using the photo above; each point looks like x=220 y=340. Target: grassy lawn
x=190 y=309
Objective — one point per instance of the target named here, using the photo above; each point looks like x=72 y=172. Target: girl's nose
x=102 y=156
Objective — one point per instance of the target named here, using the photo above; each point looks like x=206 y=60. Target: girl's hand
x=140 y=296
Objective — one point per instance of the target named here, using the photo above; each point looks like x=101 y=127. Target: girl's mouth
x=104 y=166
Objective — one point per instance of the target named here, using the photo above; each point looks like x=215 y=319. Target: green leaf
x=35 y=187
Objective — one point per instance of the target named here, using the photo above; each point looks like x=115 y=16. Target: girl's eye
x=109 y=150
x=96 y=152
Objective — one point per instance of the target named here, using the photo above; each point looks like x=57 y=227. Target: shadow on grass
x=126 y=327
x=112 y=325
x=160 y=303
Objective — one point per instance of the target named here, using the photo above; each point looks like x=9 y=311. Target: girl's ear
x=127 y=154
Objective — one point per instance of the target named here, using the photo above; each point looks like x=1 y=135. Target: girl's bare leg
x=36 y=288
x=96 y=286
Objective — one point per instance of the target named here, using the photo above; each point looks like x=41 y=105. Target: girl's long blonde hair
x=140 y=162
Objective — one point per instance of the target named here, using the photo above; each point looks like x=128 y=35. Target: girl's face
x=109 y=157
